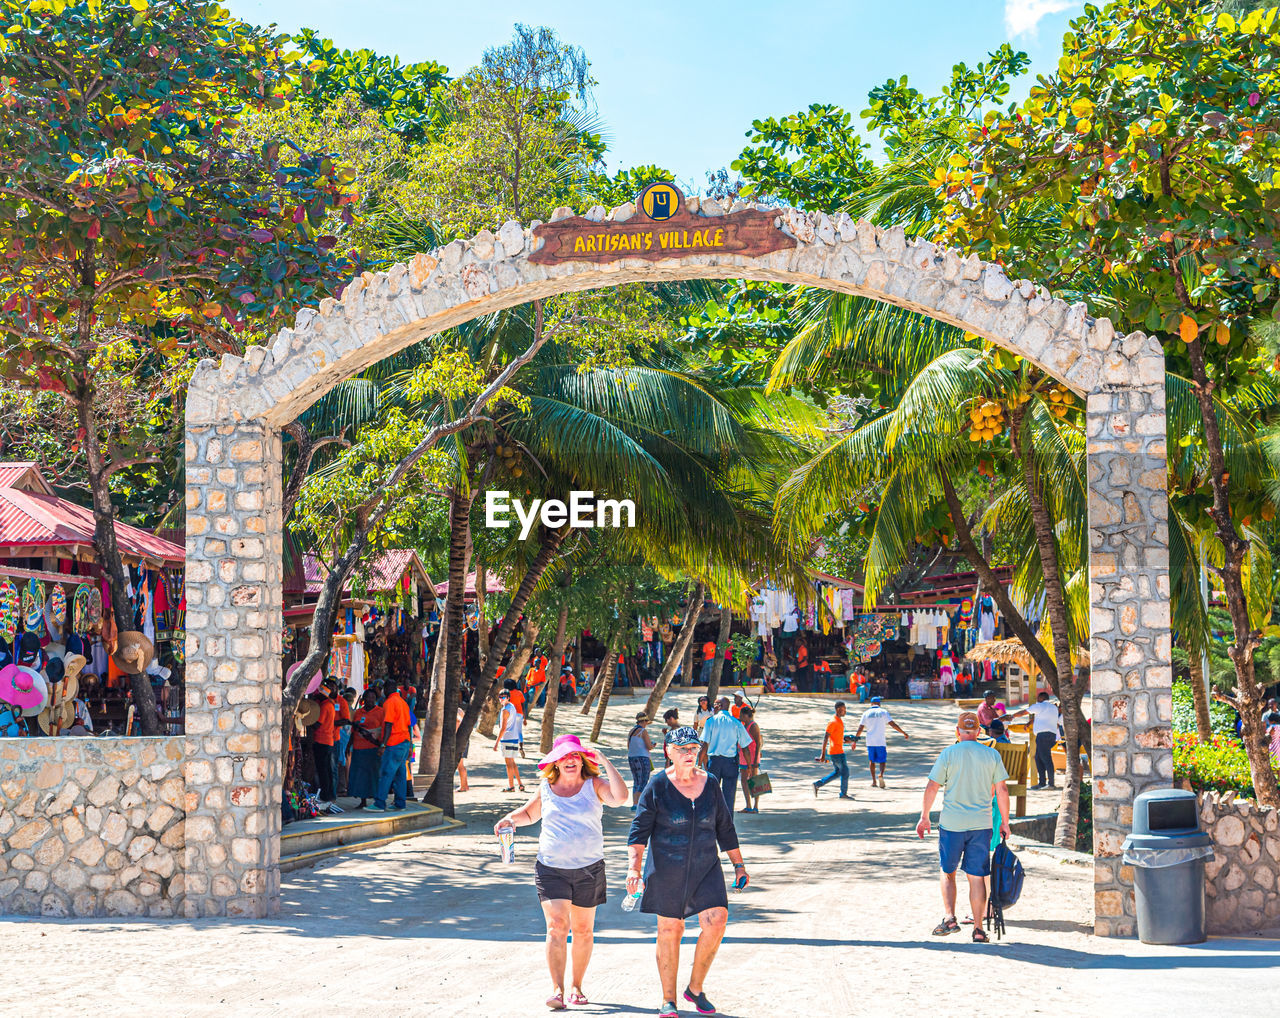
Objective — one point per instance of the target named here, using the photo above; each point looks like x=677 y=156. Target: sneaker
x=1039 y=788
x=882 y=782
x=845 y=796
x=815 y=789
x=668 y=1010
x=375 y=808
x=699 y=1001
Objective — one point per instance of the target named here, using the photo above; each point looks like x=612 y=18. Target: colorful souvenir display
x=33 y=604
x=10 y=609
x=58 y=606
x=95 y=607
x=80 y=609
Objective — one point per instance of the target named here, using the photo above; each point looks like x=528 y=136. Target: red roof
x=383 y=573
x=492 y=585
x=31 y=516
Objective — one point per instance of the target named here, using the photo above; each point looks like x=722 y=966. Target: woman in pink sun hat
x=569 y=871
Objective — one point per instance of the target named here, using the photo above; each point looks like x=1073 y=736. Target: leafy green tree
x=1157 y=136
x=406 y=98
x=128 y=215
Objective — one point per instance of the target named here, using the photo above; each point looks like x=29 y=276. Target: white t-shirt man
x=876 y=723
x=1046 y=716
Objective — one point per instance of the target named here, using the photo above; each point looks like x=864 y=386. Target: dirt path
x=836 y=922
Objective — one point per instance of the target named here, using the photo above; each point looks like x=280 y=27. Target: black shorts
x=582 y=887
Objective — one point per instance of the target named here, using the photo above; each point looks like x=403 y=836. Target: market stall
x=63 y=666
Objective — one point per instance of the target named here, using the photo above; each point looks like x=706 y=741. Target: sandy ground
x=837 y=921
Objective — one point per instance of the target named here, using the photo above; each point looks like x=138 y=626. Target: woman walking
x=639 y=745
x=685 y=822
x=749 y=757
x=703 y=712
x=569 y=872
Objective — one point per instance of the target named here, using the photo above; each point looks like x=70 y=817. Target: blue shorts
x=974 y=846
x=877 y=754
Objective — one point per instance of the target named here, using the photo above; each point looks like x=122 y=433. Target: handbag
x=758 y=784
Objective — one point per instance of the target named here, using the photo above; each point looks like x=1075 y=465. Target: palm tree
x=962 y=405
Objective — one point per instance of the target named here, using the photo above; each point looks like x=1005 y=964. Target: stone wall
x=234 y=623
x=91 y=826
x=1129 y=628
x=1242 y=891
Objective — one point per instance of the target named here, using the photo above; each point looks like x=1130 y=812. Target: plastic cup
x=507 y=843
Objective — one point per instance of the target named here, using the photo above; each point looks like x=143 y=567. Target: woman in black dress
x=683 y=819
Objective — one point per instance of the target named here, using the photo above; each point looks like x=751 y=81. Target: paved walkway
x=836 y=922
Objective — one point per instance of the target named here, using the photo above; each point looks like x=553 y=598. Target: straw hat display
x=134 y=652
x=308 y=712
x=64 y=714
x=74 y=665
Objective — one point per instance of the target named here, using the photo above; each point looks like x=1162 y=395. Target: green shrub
x=1222 y=719
x=1219 y=766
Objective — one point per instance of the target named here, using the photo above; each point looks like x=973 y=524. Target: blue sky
x=680 y=82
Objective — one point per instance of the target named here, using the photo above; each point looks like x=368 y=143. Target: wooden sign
x=661 y=228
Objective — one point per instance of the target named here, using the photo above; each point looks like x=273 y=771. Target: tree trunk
x=482 y=624
x=606 y=682
x=553 y=681
x=717 y=666
x=686 y=666
x=607 y=663
x=988 y=580
x=429 y=752
x=489 y=714
x=550 y=546
x=1204 y=727
x=682 y=643
x=1250 y=696
x=108 y=554
x=441 y=793
x=1056 y=608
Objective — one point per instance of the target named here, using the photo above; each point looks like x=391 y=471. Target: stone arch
x=235 y=411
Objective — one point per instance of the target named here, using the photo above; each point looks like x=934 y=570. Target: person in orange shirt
x=708 y=661
x=342 y=707
x=833 y=746
x=739 y=701
x=394 y=753
x=323 y=737
x=803 y=671
x=366 y=723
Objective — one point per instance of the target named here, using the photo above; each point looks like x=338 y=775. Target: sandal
x=980 y=936
x=522 y=788
x=556 y=1001
x=577 y=997
x=948 y=925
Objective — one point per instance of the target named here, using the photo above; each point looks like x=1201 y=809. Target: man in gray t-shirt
x=972 y=775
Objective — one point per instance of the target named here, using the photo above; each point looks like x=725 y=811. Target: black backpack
x=1006 y=876
x=1006 y=886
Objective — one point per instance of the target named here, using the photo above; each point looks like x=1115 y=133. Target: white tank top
x=572 y=836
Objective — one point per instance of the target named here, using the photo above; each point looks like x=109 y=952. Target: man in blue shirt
x=722 y=736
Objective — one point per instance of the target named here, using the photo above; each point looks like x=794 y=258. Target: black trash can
x=1167 y=851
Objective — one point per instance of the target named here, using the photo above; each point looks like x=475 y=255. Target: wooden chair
x=1016 y=757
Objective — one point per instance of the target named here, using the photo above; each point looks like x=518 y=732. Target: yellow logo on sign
x=659 y=202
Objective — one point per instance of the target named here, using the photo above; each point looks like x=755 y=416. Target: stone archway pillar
x=234 y=623
x=1129 y=624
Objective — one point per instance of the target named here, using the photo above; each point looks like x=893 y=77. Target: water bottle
x=631 y=901
x=507 y=843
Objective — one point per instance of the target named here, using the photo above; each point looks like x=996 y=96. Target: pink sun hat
x=565 y=745
x=19 y=688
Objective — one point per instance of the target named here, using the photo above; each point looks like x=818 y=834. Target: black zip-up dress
x=682 y=874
